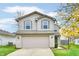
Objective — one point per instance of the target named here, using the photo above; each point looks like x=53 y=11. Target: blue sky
x=8 y=12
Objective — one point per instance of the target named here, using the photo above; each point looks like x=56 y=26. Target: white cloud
x=52 y=14
x=21 y=8
x=8 y=27
x=8 y=24
x=7 y=21
x=26 y=10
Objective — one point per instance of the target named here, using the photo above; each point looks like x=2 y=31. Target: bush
x=10 y=43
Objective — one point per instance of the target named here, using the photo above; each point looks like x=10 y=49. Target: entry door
x=56 y=41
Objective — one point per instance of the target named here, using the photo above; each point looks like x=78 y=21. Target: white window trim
x=42 y=25
x=25 y=25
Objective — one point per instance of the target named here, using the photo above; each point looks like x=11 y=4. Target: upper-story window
x=45 y=24
x=28 y=25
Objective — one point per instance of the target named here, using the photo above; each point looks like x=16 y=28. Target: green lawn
x=72 y=51
x=4 y=50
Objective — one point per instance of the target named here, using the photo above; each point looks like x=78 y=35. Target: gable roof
x=35 y=12
x=3 y=32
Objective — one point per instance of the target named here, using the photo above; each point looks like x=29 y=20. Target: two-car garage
x=35 y=41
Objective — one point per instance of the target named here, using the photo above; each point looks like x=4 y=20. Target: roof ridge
x=21 y=17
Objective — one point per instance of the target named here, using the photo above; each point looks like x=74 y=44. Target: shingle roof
x=3 y=32
x=35 y=12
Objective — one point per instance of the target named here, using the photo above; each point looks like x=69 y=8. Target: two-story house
x=37 y=30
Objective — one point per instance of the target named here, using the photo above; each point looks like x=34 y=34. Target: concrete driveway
x=32 y=52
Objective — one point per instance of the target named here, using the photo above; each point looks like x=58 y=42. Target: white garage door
x=35 y=42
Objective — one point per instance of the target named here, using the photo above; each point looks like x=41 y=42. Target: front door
x=56 y=41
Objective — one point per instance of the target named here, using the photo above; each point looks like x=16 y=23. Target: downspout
x=36 y=24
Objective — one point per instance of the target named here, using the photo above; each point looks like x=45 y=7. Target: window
x=55 y=30
x=28 y=25
x=45 y=24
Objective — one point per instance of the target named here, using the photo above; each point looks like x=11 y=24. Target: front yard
x=4 y=50
x=72 y=51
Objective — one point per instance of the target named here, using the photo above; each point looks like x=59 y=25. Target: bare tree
x=19 y=14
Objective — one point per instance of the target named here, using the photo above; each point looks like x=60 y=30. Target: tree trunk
x=68 y=43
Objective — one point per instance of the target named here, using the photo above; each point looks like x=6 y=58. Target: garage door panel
x=35 y=42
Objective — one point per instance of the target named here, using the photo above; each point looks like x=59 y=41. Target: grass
x=5 y=50
x=59 y=52
x=72 y=51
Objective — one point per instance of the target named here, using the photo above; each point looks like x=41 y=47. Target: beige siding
x=51 y=41
x=5 y=39
x=32 y=18
x=19 y=41
x=56 y=27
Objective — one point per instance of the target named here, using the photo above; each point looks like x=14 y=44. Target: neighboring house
x=6 y=38
x=77 y=41
x=37 y=30
x=64 y=40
